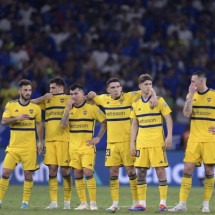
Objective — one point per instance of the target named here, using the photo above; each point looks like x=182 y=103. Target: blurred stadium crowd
x=90 y=41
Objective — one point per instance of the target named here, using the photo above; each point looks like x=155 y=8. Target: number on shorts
x=107 y=152
x=137 y=153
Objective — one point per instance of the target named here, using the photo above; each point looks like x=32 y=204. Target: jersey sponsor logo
x=120 y=113
x=79 y=126
x=201 y=113
x=147 y=120
x=53 y=113
x=22 y=124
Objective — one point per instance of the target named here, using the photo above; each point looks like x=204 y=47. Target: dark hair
x=111 y=80
x=24 y=82
x=200 y=74
x=144 y=77
x=58 y=81
x=76 y=86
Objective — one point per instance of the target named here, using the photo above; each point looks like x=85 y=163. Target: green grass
x=40 y=199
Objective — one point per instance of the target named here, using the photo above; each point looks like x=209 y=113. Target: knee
x=6 y=173
x=28 y=175
x=65 y=171
x=53 y=170
x=131 y=171
x=114 y=171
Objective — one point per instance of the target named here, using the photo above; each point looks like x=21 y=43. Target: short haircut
x=111 y=80
x=76 y=86
x=24 y=82
x=58 y=81
x=144 y=77
x=200 y=74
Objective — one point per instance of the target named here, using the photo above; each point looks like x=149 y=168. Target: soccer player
x=24 y=119
x=117 y=105
x=80 y=117
x=200 y=107
x=56 y=153
x=148 y=143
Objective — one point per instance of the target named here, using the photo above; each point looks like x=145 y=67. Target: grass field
x=40 y=199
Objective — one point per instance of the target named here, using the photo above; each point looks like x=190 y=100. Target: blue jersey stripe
x=22 y=129
x=50 y=119
x=119 y=119
x=205 y=107
x=149 y=114
x=81 y=131
x=77 y=120
x=117 y=108
x=55 y=107
x=202 y=118
x=150 y=126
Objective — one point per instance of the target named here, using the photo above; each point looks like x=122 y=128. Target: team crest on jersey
x=31 y=111
x=139 y=109
x=16 y=110
x=208 y=99
x=108 y=103
x=84 y=112
x=62 y=100
x=120 y=101
x=49 y=101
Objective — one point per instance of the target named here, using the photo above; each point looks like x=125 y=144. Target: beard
x=26 y=97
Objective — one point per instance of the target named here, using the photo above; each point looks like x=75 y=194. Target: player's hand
x=70 y=103
x=153 y=100
x=211 y=129
x=23 y=117
x=132 y=150
x=192 y=89
x=91 y=95
x=40 y=148
x=168 y=142
x=93 y=141
x=47 y=96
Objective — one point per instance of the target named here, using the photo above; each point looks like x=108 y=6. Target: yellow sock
x=163 y=188
x=4 y=183
x=67 y=187
x=114 y=188
x=53 y=188
x=186 y=184
x=80 y=188
x=208 y=187
x=91 y=186
x=141 y=190
x=133 y=186
x=28 y=185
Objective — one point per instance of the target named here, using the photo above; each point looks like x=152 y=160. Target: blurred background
x=90 y=41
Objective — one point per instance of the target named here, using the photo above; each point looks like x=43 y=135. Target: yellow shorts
x=56 y=153
x=154 y=157
x=26 y=157
x=198 y=152
x=118 y=154
x=84 y=159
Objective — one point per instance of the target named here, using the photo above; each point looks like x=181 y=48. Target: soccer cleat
x=205 y=209
x=66 y=205
x=93 y=206
x=24 y=205
x=53 y=205
x=178 y=208
x=162 y=208
x=113 y=208
x=137 y=207
x=82 y=206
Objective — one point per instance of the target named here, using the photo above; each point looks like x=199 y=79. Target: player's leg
x=50 y=159
x=9 y=164
x=80 y=188
x=88 y=163
x=29 y=163
x=67 y=186
x=113 y=161
x=163 y=187
x=63 y=161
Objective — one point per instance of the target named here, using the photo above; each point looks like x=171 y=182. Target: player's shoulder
x=13 y=101
x=212 y=90
x=137 y=100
